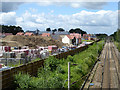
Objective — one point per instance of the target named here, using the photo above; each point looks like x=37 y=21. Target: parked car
x=62 y=50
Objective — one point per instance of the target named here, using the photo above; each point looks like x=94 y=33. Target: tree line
x=116 y=35
x=101 y=36
x=11 y=29
x=15 y=29
x=76 y=30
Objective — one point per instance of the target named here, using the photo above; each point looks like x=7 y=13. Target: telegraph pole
x=68 y=75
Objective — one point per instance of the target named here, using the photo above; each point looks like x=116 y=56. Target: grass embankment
x=87 y=41
x=55 y=71
x=117 y=45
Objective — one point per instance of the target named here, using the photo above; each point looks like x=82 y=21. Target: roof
x=86 y=34
x=76 y=35
x=28 y=33
x=34 y=32
x=56 y=33
x=70 y=36
x=20 y=33
x=45 y=34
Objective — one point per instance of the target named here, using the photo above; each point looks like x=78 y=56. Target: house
x=46 y=34
x=67 y=39
x=20 y=33
x=93 y=37
x=72 y=39
x=52 y=49
x=77 y=36
x=86 y=36
x=29 y=34
x=35 y=32
x=89 y=37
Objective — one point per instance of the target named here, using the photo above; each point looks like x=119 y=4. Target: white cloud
x=8 y=18
x=75 y=5
x=52 y=11
x=92 y=22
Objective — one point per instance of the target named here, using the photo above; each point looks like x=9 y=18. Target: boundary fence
x=7 y=76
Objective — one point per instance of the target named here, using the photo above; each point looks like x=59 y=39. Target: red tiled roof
x=77 y=35
x=28 y=33
x=86 y=35
x=20 y=33
x=70 y=36
x=45 y=34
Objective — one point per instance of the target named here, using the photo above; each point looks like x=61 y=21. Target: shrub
x=22 y=80
x=51 y=63
x=70 y=58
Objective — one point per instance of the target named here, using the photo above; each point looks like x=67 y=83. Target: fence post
x=6 y=61
x=68 y=75
x=20 y=60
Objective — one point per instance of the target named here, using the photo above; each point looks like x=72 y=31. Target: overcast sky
x=93 y=17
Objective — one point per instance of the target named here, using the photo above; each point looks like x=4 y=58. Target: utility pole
x=68 y=75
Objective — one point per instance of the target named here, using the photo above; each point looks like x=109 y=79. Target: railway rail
x=106 y=73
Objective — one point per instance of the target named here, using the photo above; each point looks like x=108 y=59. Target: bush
x=51 y=63
x=70 y=58
x=22 y=80
x=119 y=47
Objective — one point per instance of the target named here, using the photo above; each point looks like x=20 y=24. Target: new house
x=73 y=38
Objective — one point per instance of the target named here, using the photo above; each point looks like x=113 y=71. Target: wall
x=66 y=40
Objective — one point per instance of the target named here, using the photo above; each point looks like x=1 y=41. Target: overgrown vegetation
x=54 y=73
x=87 y=40
x=101 y=36
x=116 y=37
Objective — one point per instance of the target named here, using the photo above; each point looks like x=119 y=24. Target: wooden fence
x=7 y=76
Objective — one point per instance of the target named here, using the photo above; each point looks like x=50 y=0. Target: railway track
x=107 y=74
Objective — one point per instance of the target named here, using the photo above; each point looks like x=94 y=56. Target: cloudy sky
x=93 y=17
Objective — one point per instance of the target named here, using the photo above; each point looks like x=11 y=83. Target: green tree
x=77 y=30
x=48 y=29
x=101 y=36
x=11 y=29
x=61 y=29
